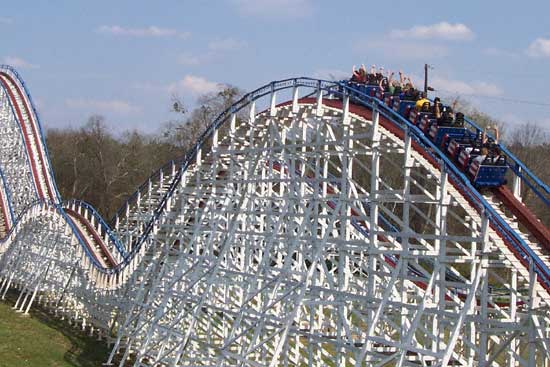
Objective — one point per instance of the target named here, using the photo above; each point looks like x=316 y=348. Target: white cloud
x=18 y=62
x=226 y=44
x=443 y=31
x=194 y=85
x=5 y=20
x=465 y=88
x=151 y=31
x=112 y=106
x=539 y=48
x=274 y=8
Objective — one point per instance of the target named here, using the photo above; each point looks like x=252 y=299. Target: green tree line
x=93 y=164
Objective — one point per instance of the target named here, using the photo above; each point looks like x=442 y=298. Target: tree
x=529 y=143
x=482 y=119
x=184 y=131
x=92 y=164
x=528 y=134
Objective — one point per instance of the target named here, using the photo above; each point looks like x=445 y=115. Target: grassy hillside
x=41 y=340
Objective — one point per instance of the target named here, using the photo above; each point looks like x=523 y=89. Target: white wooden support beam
x=319 y=101
x=345 y=106
x=484 y=301
x=373 y=201
x=516 y=185
x=532 y=304
x=198 y=157
x=215 y=138
x=252 y=113
x=295 y=93
x=375 y=122
x=513 y=315
x=273 y=102
x=440 y=246
x=408 y=162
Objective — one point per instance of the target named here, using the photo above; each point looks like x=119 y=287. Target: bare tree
x=184 y=131
x=528 y=134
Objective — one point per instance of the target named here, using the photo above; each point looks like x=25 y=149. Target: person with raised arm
x=489 y=146
x=363 y=72
x=380 y=75
x=495 y=129
x=391 y=83
x=355 y=75
x=387 y=83
x=410 y=82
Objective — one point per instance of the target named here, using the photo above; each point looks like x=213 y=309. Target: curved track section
x=321 y=231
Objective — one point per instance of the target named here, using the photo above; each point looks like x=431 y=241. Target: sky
x=126 y=59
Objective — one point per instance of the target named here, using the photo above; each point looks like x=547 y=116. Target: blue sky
x=124 y=59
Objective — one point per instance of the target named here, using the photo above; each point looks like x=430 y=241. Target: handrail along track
x=329 y=87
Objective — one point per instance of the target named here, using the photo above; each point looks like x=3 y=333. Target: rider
x=436 y=108
x=359 y=76
x=355 y=75
x=387 y=84
x=459 y=119
x=420 y=103
x=488 y=145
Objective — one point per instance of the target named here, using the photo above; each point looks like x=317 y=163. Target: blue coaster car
x=442 y=135
x=338 y=92
x=403 y=107
x=425 y=123
x=369 y=90
x=395 y=105
x=388 y=99
x=415 y=117
x=489 y=171
x=458 y=144
x=385 y=97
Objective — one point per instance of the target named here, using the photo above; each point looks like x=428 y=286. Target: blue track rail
x=461 y=181
x=522 y=248
x=39 y=126
x=538 y=187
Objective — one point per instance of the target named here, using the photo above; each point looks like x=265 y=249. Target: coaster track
x=325 y=230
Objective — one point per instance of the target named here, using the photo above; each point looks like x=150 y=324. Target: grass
x=39 y=339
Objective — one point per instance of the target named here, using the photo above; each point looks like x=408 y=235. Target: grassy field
x=41 y=340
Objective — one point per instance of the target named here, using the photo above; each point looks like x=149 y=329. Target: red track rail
x=41 y=159
x=524 y=215
x=391 y=262
x=97 y=238
x=37 y=141
x=4 y=210
x=42 y=192
x=25 y=137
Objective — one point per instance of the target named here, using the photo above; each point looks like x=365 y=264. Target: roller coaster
x=312 y=224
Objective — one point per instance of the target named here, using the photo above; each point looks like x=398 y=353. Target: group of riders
x=444 y=115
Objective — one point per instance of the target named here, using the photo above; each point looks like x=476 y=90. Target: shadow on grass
x=84 y=350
